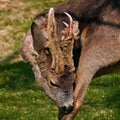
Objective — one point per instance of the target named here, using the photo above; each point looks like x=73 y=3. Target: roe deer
x=60 y=55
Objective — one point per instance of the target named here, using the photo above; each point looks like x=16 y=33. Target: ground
x=20 y=96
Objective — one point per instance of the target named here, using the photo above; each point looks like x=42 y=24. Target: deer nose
x=68 y=107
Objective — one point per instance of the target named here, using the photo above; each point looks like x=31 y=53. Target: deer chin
x=62 y=99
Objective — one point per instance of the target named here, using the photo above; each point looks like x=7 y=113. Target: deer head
x=51 y=58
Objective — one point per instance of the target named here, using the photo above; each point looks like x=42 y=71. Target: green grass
x=20 y=96
x=102 y=101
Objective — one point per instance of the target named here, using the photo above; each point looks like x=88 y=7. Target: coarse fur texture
x=97 y=45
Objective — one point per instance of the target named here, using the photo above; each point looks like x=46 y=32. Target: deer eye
x=53 y=84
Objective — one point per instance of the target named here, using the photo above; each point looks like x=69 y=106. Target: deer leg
x=91 y=60
x=86 y=70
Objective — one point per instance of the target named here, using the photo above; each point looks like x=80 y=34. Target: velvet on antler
x=57 y=57
x=61 y=50
x=68 y=35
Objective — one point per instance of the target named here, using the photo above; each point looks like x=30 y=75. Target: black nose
x=68 y=109
x=64 y=111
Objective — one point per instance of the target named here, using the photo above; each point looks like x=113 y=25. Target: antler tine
x=65 y=24
x=71 y=22
x=69 y=16
x=67 y=43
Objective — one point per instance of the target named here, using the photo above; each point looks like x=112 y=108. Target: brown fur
x=100 y=47
x=97 y=46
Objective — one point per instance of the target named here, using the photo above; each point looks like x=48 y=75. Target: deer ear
x=39 y=34
x=43 y=29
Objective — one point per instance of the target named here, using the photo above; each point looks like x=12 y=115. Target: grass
x=20 y=97
x=102 y=100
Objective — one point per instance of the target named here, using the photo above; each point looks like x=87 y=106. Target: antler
x=62 y=51
x=67 y=42
x=57 y=57
x=71 y=23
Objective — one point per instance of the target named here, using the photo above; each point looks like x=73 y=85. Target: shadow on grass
x=16 y=75
x=113 y=101
x=107 y=88
x=102 y=101
x=20 y=96
x=110 y=83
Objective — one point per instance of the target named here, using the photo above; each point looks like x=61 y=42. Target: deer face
x=59 y=87
x=54 y=58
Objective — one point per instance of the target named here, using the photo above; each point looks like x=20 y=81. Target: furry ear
x=29 y=55
x=39 y=33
